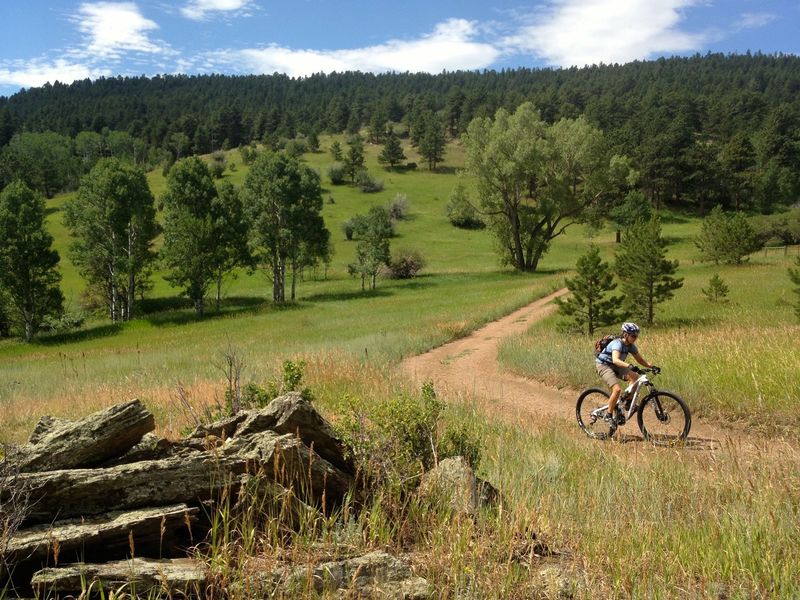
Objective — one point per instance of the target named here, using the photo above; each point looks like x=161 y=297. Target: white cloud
x=754 y=20
x=116 y=27
x=199 y=10
x=36 y=73
x=450 y=46
x=584 y=32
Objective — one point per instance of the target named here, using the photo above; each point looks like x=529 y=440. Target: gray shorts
x=611 y=375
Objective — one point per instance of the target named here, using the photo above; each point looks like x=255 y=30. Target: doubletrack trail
x=468 y=367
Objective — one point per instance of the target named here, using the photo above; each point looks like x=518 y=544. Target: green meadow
x=617 y=519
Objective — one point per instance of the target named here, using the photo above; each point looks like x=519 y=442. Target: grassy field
x=617 y=520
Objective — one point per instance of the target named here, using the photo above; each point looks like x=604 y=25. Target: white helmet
x=631 y=328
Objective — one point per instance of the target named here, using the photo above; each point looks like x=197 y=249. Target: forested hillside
x=701 y=130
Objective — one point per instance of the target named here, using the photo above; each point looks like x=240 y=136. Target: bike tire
x=664 y=419
x=589 y=401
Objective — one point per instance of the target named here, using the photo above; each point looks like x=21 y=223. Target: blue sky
x=66 y=40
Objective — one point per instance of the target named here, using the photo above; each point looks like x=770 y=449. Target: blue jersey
x=617 y=344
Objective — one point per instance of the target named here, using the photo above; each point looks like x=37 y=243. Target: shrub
x=367 y=184
x=406 y=264
x=394 y=441
x=336 y=174
x=461 y=212
x=398 y=207
x=217 y=165
x=296 y=147
x=65 y=322
x=352 y=226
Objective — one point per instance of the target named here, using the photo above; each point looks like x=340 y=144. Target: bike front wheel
x=664 y=419
x=591 y=406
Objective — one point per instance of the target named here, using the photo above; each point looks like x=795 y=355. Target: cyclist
x=612 y=366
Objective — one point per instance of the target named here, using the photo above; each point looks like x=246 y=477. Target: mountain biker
x=612 y=366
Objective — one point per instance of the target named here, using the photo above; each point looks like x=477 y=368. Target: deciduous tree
x=283 y=201
x=190 y=237
x=29 y=275
x=372 y=250
x=534 y=180
x=112 y=221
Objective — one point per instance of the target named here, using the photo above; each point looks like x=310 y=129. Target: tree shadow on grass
x=169 y=312
x=80 y=335
x=354 y=295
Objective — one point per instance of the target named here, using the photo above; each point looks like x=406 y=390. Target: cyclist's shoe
x=608 y=419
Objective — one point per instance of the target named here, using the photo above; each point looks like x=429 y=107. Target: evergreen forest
x=700 y=130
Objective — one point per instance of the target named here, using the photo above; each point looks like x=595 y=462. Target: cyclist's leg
x=609 y=375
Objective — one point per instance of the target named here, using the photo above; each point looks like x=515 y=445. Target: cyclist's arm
x=640 y=359
x=618 y=362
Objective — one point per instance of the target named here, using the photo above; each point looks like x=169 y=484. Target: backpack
x=604 y=341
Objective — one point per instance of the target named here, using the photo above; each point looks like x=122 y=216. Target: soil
x=468 y=368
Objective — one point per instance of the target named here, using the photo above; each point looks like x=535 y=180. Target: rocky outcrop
x=139 y=577
x=56 y=444
x=104 y=487
x=454 y=481
x=374 y=575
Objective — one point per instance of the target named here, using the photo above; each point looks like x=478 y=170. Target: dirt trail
x=469 y=366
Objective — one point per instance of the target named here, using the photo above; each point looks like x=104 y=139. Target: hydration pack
x=604 y=341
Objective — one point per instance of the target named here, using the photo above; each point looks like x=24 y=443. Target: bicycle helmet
x=630 y=328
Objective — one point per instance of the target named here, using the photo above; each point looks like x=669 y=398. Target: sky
x=66 y=40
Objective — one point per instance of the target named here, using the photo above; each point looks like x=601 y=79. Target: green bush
x=461 y=212
x=336 y=174
x=394 y=441
x=398 y=207
x=406 y=264
x=367 y=184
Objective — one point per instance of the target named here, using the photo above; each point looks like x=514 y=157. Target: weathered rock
x=141 y=577
x=222 y=429
x=374 y=575
x=86 y=442
x=44 y=425
x=152 y=531
x=150 y=447
x=454 y=479
x=290 y=413
x=190 y=478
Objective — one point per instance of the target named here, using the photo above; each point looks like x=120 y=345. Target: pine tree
x=726 y=238
x=587 y=305
x=392 y=153
x=717 y=290
x=642 y=267
x=28 y=265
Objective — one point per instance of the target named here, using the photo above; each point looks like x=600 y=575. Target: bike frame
x=633 y=392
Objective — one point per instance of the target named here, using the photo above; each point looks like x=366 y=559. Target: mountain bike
x=664 y=418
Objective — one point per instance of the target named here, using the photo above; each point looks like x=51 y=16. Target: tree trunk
x=618 y=238
x=515 y=233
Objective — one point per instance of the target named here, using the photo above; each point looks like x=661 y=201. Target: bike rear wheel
x=589 y=411
x=664 y=419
